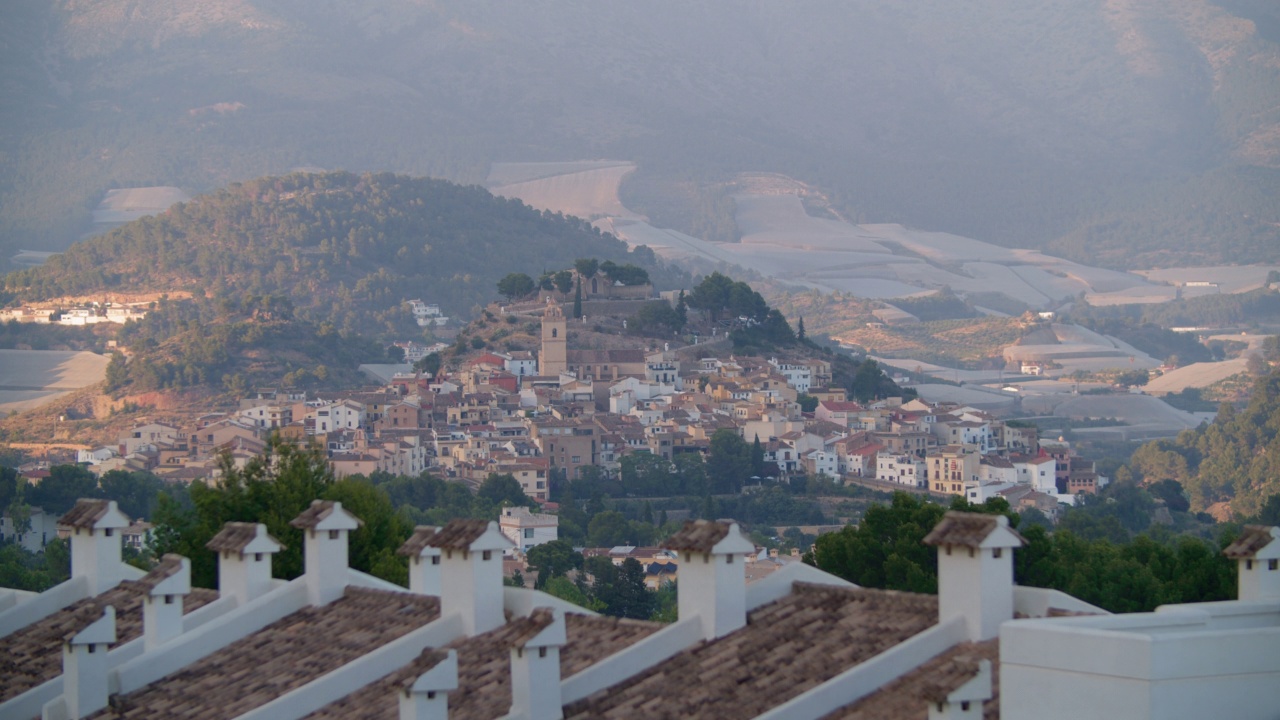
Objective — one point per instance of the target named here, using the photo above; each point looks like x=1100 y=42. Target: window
x=576 y=459
x=1273 y=564
x=528 y=533
x=997 y=552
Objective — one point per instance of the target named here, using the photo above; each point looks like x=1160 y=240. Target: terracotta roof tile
x=318 y=511
x=85 y=513
x=281 y=657
x=235 y=537
x=1251 y=540
x=459 y=534
x=484 y=669
x=908 y=697
x=419 y=540
x=787 y=648
x=81 y=618
x=697 y=536
x=32 y=655
x=964 y=529
x=522 y=630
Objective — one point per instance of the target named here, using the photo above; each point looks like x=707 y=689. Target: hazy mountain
x=1081 y=125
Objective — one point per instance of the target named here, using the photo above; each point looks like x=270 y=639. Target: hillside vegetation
x=1235 y=459
x=1121 y=131
x=344 y=249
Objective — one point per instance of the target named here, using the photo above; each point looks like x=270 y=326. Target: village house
x=526 y=529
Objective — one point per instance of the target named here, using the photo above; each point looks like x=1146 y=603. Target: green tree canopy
x=516 y=285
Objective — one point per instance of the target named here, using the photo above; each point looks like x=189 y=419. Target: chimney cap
x=709 y=536
x=90 y=624
x=244 y=538
x=419 y=541
x=171 y=576
x=960 y=679
x=434 y=671
x=95 y=514
x=974 y=530
x=326 y=515
x=544 y=627
x=1255 y=543
x=474 y=535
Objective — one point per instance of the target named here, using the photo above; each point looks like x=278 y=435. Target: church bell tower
x=555 y=355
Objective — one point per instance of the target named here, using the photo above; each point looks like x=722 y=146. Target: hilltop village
x=566 y=413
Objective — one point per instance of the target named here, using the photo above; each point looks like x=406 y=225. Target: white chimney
x=95 y=542
x=325 y=527
x=975 y=570
x=713 y=579
x=424 y=561
x=1257 y=556
x=535 y=666
x=84 y=663
x=471 y=573
x=965 y=702
x=244 y=560
x=426 y=697
x=166 y=585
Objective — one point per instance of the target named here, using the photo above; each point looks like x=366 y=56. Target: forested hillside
x=1236 y=459
x=344 y=249
x=1121 y=131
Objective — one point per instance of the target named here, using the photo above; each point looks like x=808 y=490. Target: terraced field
x=31 y=378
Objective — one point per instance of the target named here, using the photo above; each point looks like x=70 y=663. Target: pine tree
x=800 y=329
x=577 y=300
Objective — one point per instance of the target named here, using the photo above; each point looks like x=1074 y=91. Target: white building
x=336 y=643
x=906 y=470
x=425 y=314
x=38 y=528
x=342 y=415
x=798 y=375
x=527 y=529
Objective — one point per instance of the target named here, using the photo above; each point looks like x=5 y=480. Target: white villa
x=798 y=644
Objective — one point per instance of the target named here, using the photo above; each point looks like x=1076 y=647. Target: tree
x=429 y=364
x=586 y=267
x=504 y=488
x=609 y=529
x=272 y=488
x=800 y=329
x=373 y=545
x=135 y=493
x=728 y=461
x=648 y=475
x=656 y=317
x=563 y=281
x=553 y=559
x=516 y=285
x=577 y=300
x=65 y=485
x=621 y=589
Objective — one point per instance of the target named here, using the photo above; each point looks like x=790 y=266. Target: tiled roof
x=419 y=540
x=484 y=669
x=85 y=513
x=459 y=534
x=908 y=697
x=81 y=618
x=965 y=529
x=787 y=648
x=235 y=537
x=1252 y=539
x=32 y=655
x=280 y=657
x=697 y=536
